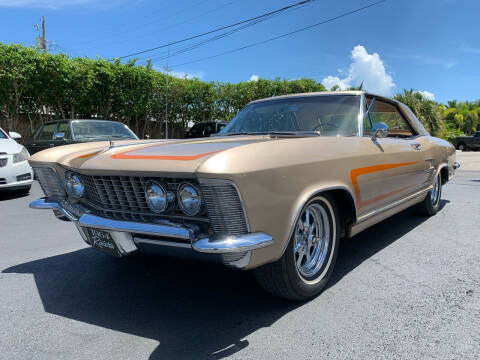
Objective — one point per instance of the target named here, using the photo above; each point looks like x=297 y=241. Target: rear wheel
x=430 y=205
x=461 y=147
x=307 y=263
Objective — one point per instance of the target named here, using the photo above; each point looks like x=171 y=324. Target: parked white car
x=15 y=172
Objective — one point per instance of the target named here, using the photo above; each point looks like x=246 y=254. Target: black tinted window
x=46 y=132
x=196 y=129
x=63 y=127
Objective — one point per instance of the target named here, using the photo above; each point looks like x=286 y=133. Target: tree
x=425 y=110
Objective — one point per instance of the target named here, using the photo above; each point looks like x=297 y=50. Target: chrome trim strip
x=219 y=245
x=170 y=231
x=392 y=205
x=140 y=240
x=45 y=203
x=228 y=244
x=361 y=114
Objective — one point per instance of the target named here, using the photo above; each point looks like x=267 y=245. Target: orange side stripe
x=162 y=157
x=355 y=173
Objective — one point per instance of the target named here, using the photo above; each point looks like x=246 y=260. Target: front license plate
x=102 y=240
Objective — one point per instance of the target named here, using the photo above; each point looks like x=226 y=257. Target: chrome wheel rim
x=435 y=192
x=312 y=240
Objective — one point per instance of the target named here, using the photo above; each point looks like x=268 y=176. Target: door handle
x=416 y=146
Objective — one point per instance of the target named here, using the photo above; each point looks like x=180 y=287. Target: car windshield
x=101 y=129
x=325 y=115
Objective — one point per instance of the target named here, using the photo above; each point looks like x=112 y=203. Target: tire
x=431 y=204
x=297 y=276
x=461 y=147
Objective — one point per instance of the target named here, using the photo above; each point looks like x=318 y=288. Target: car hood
x=142 y=157
x=9 y=146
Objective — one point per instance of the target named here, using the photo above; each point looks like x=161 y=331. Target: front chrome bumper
x=233 y=251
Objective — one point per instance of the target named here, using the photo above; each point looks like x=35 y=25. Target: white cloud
x=254 y=77
x=427 y=95
x=187 y=75
x=331 y=81
x=367 y=69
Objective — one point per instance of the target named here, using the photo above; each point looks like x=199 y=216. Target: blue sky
x=428 y=45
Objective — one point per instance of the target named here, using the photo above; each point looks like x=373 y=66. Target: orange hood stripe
x=124 y=155
x=355 y=173
x=88 y=155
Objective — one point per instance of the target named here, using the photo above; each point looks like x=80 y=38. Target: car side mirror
x=14 y=135
x=379 y=130
x=59 y=136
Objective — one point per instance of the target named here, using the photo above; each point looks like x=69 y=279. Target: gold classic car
x=274 y=191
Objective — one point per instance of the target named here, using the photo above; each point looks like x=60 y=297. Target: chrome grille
x=224 y=207
x=49 y=181
x=126 y=194
x=116 y=192
x=3 y=162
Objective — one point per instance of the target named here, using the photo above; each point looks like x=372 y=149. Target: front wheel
x=431 y=204
x=461 y=147
x=307 y=263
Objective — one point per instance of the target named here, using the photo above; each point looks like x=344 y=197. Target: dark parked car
x=468 y=142
x=205 y=129
x=64 y=132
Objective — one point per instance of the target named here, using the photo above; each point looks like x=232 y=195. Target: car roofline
x=325 y=93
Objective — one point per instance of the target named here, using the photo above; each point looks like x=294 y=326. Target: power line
x=284 y=35
x=128 y=30
x=162 y=56
x=216 y=30
x=129 y=39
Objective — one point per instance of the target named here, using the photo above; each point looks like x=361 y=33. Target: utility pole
x=166 y=95
x=44 y=39
x=41 y=41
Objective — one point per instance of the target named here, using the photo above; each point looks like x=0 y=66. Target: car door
x=395 y=166
x=476 y=140
x=44 y=138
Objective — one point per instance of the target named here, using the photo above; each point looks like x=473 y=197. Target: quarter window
x=388 y=113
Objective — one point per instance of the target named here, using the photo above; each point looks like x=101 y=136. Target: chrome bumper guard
x=130 y=235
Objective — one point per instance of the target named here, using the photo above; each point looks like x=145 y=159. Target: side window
x=477 y=134
x=63 y=127
x=220 y=127
x=196 y=130
x=46 y=132
x=389 y=114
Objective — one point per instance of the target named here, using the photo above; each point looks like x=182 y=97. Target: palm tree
x=425 y=110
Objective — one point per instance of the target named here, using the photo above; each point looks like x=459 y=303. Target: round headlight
x=74 y=184
x=189 y=198
x=157 y=197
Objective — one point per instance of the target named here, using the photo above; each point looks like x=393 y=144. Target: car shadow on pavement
x=194 y=310
x=361 y=247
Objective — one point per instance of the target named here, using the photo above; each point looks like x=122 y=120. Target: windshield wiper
x=279 y=133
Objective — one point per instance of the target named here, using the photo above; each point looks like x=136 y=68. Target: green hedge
x=37 y=87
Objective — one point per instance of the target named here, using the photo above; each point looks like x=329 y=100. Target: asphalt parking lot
x=408 y=288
